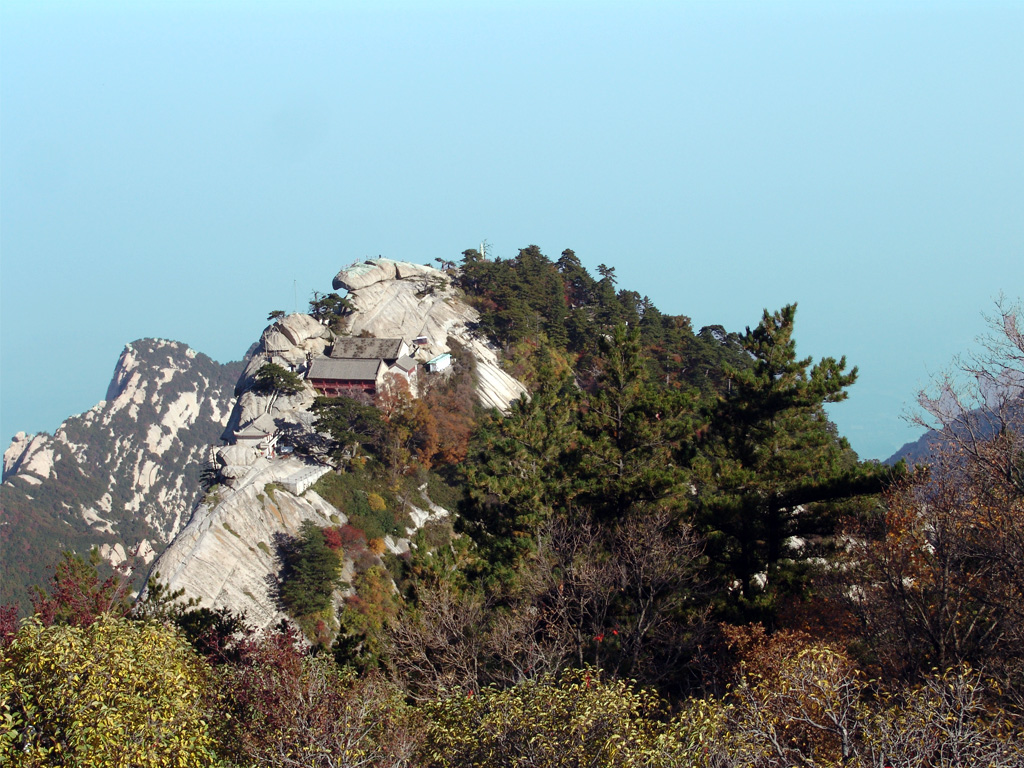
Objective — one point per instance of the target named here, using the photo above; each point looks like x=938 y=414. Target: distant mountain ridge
x=983 y=425
x=123 y=476
x=916 y=451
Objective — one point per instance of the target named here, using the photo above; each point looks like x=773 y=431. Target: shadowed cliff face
x=124 y=475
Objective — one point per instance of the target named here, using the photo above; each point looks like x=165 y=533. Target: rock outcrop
x=403 y=300
x=289 y=342
x=225 y=557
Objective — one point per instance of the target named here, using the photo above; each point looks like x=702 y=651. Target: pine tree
x=635 y=431
x=579 y=285
x=310 y=572
x=520 y=471
x=770 y=461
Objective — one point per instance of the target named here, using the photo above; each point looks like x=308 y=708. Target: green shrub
x=366 y=501
x=396 y=565
x=310 y=571
x=441 y=493
x=434 y=534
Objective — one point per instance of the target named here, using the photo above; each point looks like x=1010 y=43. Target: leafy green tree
x=276 y=314
x=114 y=693
x=578 y=718
x=274 y=378
x=770 y=465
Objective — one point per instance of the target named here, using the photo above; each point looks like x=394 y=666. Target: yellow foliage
x=578 y=718
x=115 y=693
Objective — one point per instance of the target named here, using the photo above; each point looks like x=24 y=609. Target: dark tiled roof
x=364 y=348
x=343 y=370
x=406 y=363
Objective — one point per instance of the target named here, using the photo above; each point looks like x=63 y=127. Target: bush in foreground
x=115 y=693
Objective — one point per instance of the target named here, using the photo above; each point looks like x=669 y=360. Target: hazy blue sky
x=175 y=171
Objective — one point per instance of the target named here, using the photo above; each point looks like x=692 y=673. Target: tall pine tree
x=520 y=470
x=770 y=465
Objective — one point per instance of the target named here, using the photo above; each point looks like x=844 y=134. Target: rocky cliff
x=225 y=557
x=123 y=476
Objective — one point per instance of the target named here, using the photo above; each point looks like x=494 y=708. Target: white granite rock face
x=360 y=275
x=288 y=342
x=31 y=454
x=300 y=328
x=236 y=456
x=226 y=555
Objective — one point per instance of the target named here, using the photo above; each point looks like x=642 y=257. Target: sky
x=180 y=169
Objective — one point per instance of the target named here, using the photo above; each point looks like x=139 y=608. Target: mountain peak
x=124 y=473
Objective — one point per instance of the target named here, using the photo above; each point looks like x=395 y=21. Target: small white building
x=440 y=363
